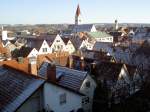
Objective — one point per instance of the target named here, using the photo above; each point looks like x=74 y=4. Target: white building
x=86 y=44
x=69 y=47
x=100 y=36
x=49 y=44
x=74 y=80
x=33 y=53
x=44 y=49
x=4 y=35
x=60 y=99
x=57 y=44
x=36 y=94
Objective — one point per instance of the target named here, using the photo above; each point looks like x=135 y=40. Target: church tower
x=78 y=16
x=116 y=25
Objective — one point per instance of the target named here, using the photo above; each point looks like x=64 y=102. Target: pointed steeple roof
x=78 y=12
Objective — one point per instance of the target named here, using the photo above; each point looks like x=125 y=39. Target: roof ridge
x=24 y=73
x=71 y=69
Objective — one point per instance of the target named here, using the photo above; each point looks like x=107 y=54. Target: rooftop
x=23 y=65
x=71 y=78
x=15 y=88
x=98 y=34
x=81 y=28
x=108 y=70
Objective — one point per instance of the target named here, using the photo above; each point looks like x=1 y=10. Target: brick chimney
x=82 y=63
x=32 y=65
x=51 y=72
x=93 y=68
x=70 y=62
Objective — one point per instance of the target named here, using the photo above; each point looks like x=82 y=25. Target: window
x=88 y=84
x=85 y=100
x=63 y=98
x=44 y=49
x=58 y=47
x=57 y=40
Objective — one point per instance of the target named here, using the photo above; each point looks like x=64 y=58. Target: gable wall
x=44 y=45
x=52 y=99
x=58 y=44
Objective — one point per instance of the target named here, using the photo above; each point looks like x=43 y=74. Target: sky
x=63 y=11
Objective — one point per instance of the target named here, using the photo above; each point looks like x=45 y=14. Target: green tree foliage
x=22 y=52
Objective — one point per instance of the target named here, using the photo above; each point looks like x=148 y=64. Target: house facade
x=86 y=44
x=33 y=53
x=119 y=79
x=78 y=81
x=44 y=49
x=58 y=44
x=70 y=47
x=38 y=94
x=58 y=99
x=50 y=44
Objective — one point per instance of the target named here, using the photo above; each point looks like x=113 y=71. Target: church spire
x=78 y=12
x=77 y=15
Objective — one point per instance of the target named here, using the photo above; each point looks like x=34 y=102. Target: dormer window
x=57 y=40
x=88 y=84
x=85 y=100
x=63 y=98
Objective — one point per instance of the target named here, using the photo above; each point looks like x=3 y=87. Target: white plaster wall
x=88 y=91
x=4 y=35
x=79 y=19
x=89 y=46
x=33 y=53
x=44 y=45
x=56 y=43
x=93 y=29
x=70 y=47
x=105 y=39
x=52 y=101
x=83 y=44
x=124 y=74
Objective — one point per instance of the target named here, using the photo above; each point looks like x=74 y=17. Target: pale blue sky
x=63 y=11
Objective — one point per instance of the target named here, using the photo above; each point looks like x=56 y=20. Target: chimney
x=93 y=68
x=20 y=60
x=51 y=72
x=32 y=66
x=82 y=64
x=70 y=62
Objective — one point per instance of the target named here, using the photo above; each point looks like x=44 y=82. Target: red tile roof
x=24 y=65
